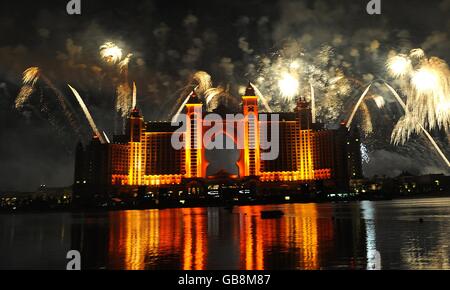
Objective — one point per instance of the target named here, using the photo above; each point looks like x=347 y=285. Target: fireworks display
x=111 y=53
x=399 y=66
x=30 y=78
x=312 y=51
x=427 y=86
x=289 y=86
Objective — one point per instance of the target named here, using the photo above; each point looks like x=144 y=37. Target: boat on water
x=271 y=214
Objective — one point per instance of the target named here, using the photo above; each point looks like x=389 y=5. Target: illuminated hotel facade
x=144 y=156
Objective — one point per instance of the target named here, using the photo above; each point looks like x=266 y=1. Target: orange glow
x=137 y=238
x=136 y=164
x=252 y=155
x=119 y=179
x=179 y=238
x=195 y=248
x=322 y=174
x=163 y=179
x=258 y=236
x=251 y=239
x=195 y=163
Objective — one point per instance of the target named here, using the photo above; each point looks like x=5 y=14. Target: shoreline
x=227 y=205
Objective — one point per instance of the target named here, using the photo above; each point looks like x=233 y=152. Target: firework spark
x=379 y=101
x=289 y=86
x=399 y=66
x=123 y=64
x=111 y=53
x=367 y=119
x=211 y=94
x=31 y=76
x=417 y=53
x=25 y=92
x=365 y=154
x=202 y=81
x=123 y=101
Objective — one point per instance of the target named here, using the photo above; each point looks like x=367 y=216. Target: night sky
x=234 y=41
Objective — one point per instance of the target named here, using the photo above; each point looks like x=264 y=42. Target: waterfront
x=308 y=236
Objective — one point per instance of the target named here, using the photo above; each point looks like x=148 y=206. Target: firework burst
x=30 y=78
x=113 y=55
x=289 y=86
x=202 y=81
x=399 y=66
x=110 y=53
x=427 y=84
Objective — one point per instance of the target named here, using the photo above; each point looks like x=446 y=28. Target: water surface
x=356 y=235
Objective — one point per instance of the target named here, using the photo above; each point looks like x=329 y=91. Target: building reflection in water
x=307 y=237
x=194 y=239
x=373 y=255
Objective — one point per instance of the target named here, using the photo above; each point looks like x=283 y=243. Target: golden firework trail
x=123 y=64
x=30 y=78
x=367 y=120
x=200 y=82
x=203 y=80
x=358 y=104
x=262 y=98
x=134 y=102
x=25 y=92
x=63 y=103
x=211 y=93
x=123 y=101
x=88 y=115
x=175 y=117
x=313 y=103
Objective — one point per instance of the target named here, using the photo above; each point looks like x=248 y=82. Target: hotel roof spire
x=250 y=91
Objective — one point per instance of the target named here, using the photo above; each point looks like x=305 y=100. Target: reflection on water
x=365 y=235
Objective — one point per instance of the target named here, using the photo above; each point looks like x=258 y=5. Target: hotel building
x=145 y=157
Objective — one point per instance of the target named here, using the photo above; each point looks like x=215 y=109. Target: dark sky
x=170 y=40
